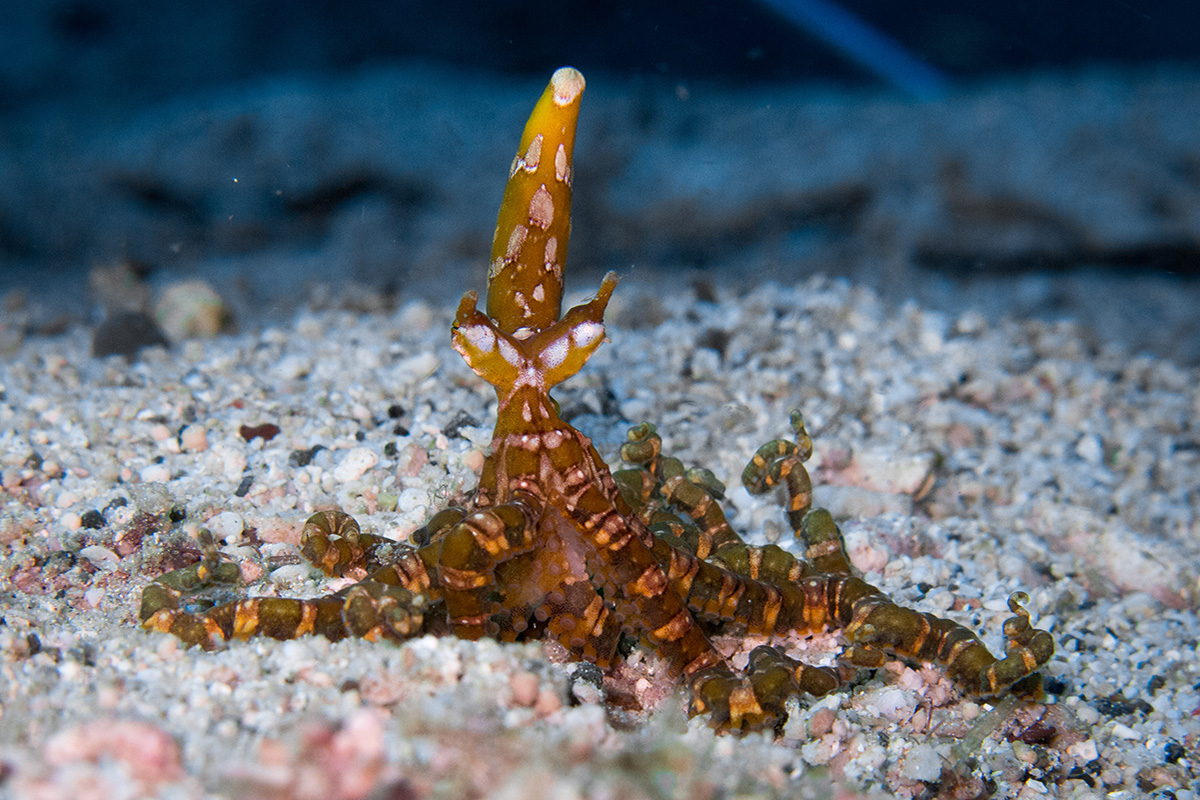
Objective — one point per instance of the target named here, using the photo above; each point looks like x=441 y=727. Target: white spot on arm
x=515 y=240
x=541 y=208
x=562 y=166
x=496 y=267
x=554 y=353
x=530 y=375
x=533 y=154
x=522 y=303
x=480 y=337
x=585 y=333
x=509 y=353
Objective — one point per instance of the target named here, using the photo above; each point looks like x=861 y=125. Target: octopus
x=553 y=544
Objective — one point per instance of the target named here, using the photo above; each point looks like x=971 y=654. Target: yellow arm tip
x=525 y=279
x=567 y=83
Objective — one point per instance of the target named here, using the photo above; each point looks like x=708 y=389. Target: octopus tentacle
x=699 y=503
x=554 y=544
x=664 y=479
x=530 y=245
x=781 y=461
x=163 y=601
x=468 y=557
x=391 y=602
x=333 y=542
x=756 y=701
x=438 y=525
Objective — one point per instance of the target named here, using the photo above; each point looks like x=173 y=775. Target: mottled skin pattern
x=554 y=544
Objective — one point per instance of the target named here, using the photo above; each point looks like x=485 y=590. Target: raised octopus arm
x=530 y=246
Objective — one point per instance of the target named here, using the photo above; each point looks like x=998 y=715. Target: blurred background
x=1030 y=159
x=124 y=53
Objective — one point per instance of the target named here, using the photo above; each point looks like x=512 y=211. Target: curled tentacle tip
x=568 y=84
x=640 y=431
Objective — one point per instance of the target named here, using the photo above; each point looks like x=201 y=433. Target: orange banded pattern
x=554 y=544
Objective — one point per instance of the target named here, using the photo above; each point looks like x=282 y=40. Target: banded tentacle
x=467 y=559
x=767 y=591
x=757 y=700
x=660 y=481
x=879 y=627
x=782 y=462
x=553 y=543
x=165 y=602
x=391 y=603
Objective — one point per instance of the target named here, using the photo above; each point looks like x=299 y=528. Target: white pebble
x=412 y=370
x=355 y=464
x=293 y=367
x=230 y=461
x=194 y=439
x=887 y=702
x=921 y=763
x=155 y=473
x=1084 y=751
x=1090 y=449
x=101 y=557
x=290 y=574
x=226 y=526
x=940 y=601
x=1125 y=732
x=1032 y=788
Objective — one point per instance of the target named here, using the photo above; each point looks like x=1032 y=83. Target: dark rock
x=125 y=333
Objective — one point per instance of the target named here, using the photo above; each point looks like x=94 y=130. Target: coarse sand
x=966 y=458
x=968 y=454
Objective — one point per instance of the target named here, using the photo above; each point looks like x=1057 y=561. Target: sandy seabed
x=966 y=454
x=966 y=459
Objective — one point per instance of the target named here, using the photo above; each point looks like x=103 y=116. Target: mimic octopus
x=554 y=544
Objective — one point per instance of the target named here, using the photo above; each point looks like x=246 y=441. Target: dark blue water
x=198 y=140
